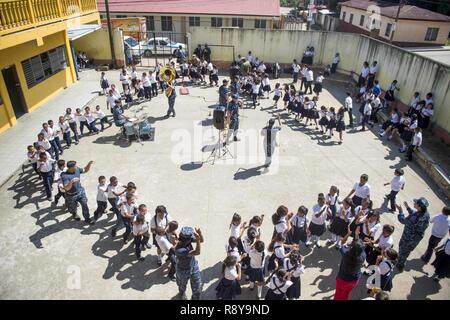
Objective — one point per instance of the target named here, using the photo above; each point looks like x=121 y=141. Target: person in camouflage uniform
x=415 y=223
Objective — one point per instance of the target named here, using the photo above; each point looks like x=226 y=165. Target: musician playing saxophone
x=232 y=117
x=171 y=95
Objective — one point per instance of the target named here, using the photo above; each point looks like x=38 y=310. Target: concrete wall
x=96 y=45
x=413 y=31
x=413 y=72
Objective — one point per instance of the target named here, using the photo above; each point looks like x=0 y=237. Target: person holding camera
x=187 y=266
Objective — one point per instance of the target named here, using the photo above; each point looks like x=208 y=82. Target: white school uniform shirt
x=152 y=78
x=100 y=114
x=232 y=251
x=417 y=139
x=281 y=225
x=160 y=223
x=64 y=126
x=230 y=273
x=349 y=103
x=48 y=134
x=397 y=183
x=413 y=125
x=373 y=228
x=282 y=285
x=81 y=117
x=362 y=90
x=385 y=266
x=146 y=81
x=295 y=68
x=256 y=259
x=364 y=72
x=250 y=58
x=45 y=143
x=262 y=68
x=385 y=243
x=255 y=88
x=296 y=271
x=45 y=166
x=56 y=130
x=394 y=117
x=210 y=67
x=323 y=217
x=368 y=109
x=309 y=75
x=111 y=189
x=299 y=222
x=303 y=72
x=102 y=193
x=140 y=228
x=164 y=243
x=333 y=200
x=441 y=224
x=57 y=175
x=278 y=250
x=277 y=92
x=111 y=100
x=377 y=103
x=133 y=75
x=414 y=102
x=265 y=82
x=90 y=117
x=373 y=69
x=336 y=60
x=235 y=231
x=127 y=208
x=319 y=79
x=70 y=118
x=246 y=244
x=116 y=94
x=427 y=112
x=33 y=157
x=359 y=209
x=124 y=78
x=362 y=191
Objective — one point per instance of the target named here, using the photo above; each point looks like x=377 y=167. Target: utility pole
x=111 y=39
x=400 y=5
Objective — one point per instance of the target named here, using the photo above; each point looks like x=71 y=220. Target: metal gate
x=154 y=47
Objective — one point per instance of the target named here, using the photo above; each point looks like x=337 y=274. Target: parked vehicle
x=160 y=46
x=133 y=45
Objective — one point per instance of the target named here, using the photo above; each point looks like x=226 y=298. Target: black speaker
x=219 y=118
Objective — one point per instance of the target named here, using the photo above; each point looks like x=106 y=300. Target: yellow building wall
x=413 y=72
x=96 y=46
x=40 y=93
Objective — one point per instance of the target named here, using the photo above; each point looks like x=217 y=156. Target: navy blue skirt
x=340 y=126
x=255 y=275
x=317 y=229
x=294 y=291
x=339 y=227
x=332 y=124
x=297 y=235
x=270 y=295
x=323 y=121
x=228 y=289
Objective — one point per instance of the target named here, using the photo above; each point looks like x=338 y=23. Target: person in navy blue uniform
x=75 y=193
x=232 y=117
x=187 y=266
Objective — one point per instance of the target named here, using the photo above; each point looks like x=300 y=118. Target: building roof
x=269 y=8
x=390 y=10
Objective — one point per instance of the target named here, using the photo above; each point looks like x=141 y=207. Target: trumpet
x=167 y=74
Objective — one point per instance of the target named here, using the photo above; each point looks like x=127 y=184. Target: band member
x=224 y=91
x=171 y=99
x=270 y=141
x=232 y=117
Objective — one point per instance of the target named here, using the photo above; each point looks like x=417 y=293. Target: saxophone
x=167 y=74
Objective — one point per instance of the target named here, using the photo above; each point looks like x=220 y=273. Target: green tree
x=289 y=3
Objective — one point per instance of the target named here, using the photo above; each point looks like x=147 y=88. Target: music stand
x=219 y=151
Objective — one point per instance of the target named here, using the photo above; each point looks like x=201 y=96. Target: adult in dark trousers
x=415 y=223
x=171 y=99
x=187 y=266
x=224 y=93
x=441 y=226
x=75 y=193
x=207 y=53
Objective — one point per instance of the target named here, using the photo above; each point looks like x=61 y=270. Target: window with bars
x=150 y=23
x=351 y=18
x=166 y=23
x=43 y=66
x=260 y=24
x=194 y=21
x=216 y=22
x=431 y=34
x=237 y=22
x=388 y=31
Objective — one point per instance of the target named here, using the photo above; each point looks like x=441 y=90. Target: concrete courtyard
x=44 y=254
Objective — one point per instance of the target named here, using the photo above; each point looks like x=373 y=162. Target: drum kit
x=138 y=125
